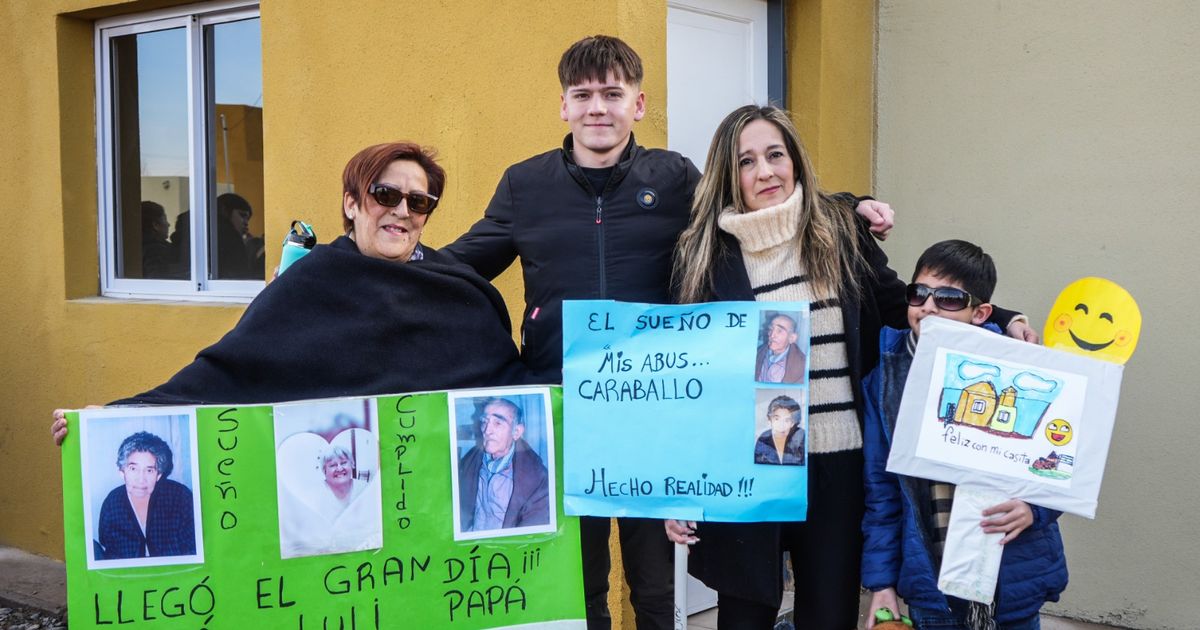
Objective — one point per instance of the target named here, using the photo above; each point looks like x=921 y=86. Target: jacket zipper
x=600 y=245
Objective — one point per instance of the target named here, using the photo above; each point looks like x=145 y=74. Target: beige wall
x=1064 y=138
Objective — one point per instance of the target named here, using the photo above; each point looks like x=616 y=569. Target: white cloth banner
x=1025 y=420
x=971 y=559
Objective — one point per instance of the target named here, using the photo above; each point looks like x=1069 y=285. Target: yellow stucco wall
x=831 y=88
x=478 y=84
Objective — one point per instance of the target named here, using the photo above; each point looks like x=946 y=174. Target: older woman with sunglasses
x=385 y=217
x=373 y=312
x=761 y=229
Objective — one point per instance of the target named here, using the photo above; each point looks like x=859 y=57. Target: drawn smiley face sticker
x=1094 y=317
x=1058 y=431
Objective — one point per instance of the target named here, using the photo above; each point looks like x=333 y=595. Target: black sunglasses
x=945 y=298
x=419 y=202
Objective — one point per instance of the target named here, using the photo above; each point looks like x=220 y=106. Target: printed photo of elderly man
x=503 y=479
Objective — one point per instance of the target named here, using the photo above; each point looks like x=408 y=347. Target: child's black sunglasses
x=945 y=298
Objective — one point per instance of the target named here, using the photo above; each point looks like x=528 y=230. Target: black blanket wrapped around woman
x=339 y=323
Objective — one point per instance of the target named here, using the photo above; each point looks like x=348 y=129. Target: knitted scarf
x=771 y=253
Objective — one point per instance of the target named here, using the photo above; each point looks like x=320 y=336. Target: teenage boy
x=597 y=219
x=906 y=518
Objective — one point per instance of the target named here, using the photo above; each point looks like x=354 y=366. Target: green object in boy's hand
x=886 y=614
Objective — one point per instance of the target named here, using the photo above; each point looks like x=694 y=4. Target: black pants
x=647 y=557
x=826 y=553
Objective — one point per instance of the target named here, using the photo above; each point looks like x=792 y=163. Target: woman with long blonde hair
x=825 y=229
x=761 y=229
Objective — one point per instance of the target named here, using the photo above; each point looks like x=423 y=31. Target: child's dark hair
x=591 y=59
x=962 y=262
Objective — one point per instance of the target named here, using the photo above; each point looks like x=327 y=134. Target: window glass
x=181 y=153
x=150 y=153
x=235 y=150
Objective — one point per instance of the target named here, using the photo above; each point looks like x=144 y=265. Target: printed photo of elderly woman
x=781 y=439
x=151 y=516
x=327 y=466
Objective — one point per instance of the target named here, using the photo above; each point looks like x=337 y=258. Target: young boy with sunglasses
x=905 y=522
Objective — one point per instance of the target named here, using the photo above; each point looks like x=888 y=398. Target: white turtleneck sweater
x=771 y=253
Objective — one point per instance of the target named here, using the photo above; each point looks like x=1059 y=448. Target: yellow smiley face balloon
x=1096 y=318
x=1059 y=432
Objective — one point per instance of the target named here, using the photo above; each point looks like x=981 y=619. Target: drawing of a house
x=1053 y=466
x=1006 y=411
x=969 y=396
x=976 y=404
x=1049 y=462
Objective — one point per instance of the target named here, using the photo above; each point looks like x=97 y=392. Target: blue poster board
x=695 y=411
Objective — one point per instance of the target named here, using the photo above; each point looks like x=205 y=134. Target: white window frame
x=193 y=18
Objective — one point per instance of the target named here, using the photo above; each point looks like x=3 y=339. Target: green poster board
x=238 y=577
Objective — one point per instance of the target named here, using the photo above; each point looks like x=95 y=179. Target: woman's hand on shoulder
x=1020 y=330
x=879 y=215
x=681 y=532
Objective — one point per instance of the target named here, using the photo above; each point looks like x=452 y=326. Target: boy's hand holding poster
x=696 y=411
x=360 y=513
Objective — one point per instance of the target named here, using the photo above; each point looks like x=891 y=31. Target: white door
x=716 y=62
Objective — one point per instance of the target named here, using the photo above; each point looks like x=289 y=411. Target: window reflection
x=149 y=82
x=235 y=157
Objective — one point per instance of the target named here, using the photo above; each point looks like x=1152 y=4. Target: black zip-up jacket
x=578 y=243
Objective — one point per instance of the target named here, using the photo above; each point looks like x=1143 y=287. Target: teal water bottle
x=299 y=241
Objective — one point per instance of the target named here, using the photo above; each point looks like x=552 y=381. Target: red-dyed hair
x=367 y=165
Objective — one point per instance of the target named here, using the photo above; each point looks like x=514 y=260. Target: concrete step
x=31 y=580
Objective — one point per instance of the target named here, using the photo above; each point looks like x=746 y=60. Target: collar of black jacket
x=619 y=170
